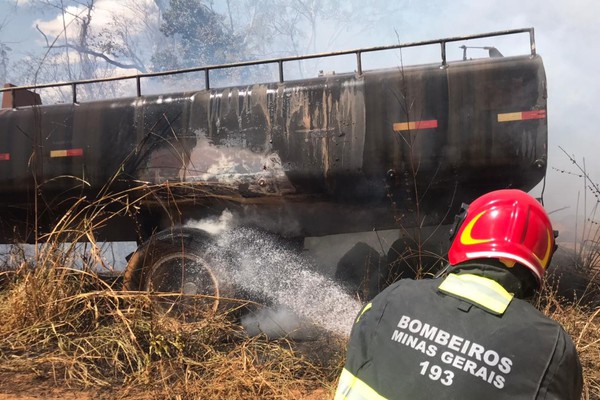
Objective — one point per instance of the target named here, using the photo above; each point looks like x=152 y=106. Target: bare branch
x=43 y=34
x=103 y=56
x=64 y=22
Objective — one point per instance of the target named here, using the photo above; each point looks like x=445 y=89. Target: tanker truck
x=392 y=149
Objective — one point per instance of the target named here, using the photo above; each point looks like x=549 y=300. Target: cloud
x=103 y=15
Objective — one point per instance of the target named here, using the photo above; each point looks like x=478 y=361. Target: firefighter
x=469 y=334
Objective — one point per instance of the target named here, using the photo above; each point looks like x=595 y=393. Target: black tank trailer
x=347 y=152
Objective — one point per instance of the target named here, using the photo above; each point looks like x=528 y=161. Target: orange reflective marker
x=415 y=125
x=66 y=153
x=522 y=115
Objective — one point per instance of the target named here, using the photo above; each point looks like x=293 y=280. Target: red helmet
x=507 y=225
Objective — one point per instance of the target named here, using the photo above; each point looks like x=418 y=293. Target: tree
x=133 y=35
x=78 y=46
x=4 y=50
x=275 y=28
x=4 y=58
x=302 y=26
x=111 y=44
x=167 y=34
x=198 y=37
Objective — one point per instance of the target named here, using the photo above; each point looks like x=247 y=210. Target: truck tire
x=173 y=265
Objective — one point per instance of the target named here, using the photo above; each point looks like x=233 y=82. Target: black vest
x=415 y=342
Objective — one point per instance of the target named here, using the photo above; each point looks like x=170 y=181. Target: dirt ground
x=32 y=387
x=20 y=386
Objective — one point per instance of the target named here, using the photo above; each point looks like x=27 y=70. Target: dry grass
x=584 y=327
x=69 y=326
x=582 y=322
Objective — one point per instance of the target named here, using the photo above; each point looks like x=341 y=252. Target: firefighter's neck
x=513 y=280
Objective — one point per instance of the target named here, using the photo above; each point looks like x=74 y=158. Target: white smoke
x=279 y=321
x=214 y=225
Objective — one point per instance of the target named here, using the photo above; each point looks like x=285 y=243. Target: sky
x=567 y=36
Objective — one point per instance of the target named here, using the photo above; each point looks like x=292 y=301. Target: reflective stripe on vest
x=364 y=310
x=484 y=292
x=352 y=388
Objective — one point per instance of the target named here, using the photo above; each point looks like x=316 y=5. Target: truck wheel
x=174 y=266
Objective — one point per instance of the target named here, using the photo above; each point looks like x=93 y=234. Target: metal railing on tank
x=279 y=61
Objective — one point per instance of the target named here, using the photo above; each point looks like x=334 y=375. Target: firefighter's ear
x=458 y=220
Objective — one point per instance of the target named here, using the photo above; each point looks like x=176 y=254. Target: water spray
x=260 y=263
